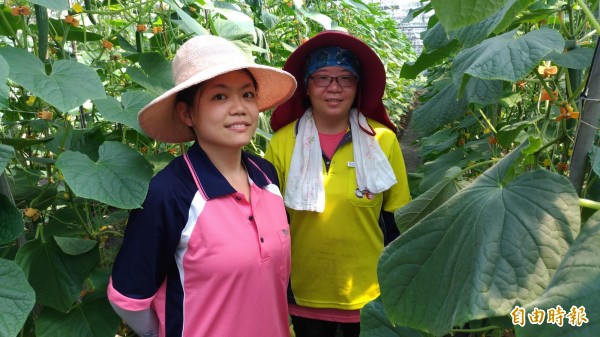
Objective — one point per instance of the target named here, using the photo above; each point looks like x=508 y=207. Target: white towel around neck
x=304 y=189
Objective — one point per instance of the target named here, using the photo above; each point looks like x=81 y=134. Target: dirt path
x=410 y=151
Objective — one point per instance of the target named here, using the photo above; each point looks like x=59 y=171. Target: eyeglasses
x=342 y=81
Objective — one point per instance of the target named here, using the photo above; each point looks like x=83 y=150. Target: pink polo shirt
x=208 y=262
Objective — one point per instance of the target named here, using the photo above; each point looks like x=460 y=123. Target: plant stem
x=489 y=124
x=109 y=13
x=483 y=163
x=589 y=15
x=8 y=27
x=549 y=144
x=587 y=203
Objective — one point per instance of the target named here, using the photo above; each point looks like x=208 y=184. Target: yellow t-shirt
x=335 y=253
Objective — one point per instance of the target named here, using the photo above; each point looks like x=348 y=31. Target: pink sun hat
x=202 y=58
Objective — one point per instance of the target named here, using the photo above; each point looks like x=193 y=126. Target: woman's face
x=332 y=101
x=224 y=113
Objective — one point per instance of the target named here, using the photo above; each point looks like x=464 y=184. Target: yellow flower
x=30 y=100
x=546 y=162
x=77 y=8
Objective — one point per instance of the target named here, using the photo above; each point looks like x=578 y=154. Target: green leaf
x=26 y=188
x=580 y=58
x=235 y=26
x=73 y=33
x=513 y=11
x=57 y=5
x=374 y=323
x=411 y=70
x=269 y=20
x=75 y=246
x=498 y=22
x=159 y=161
x=595 y=159
x=11 y=220
x=454 y=14
x=6 y=155
x=483 y=92
x=16 y=298
x=125 y=112
x=427 y=202
x=126 y=46
x=65 y=222
x=56 y=277
x=491 y=246
x=575 y=283
x=4 y=90
x=20 y=143
x=319 y=18
x=86 y=141
x=443 y=108
x=438 y=143
x=119 y=178
x=69 y=85
x=93 y=317
x=437 y=169
x=11 y=24
x=508 y=133
x=154 y=74
x=187 y=23
x=506 y=57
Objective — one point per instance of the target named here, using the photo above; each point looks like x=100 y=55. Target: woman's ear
x=183 y=112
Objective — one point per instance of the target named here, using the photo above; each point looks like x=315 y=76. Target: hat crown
x=202 y=53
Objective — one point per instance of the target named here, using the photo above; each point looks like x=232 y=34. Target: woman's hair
x=187 y=95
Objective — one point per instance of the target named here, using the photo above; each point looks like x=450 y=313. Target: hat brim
x=372 y=78
x=159 y=119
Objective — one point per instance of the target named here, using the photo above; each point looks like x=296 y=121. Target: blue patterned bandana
x=331 y=56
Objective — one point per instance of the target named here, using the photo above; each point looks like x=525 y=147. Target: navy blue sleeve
x=152 y=235
x=388 y=227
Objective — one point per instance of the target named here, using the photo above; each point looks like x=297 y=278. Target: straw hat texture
x=202 y=58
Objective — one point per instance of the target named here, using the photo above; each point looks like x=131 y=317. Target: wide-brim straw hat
x=371 y=86
x=202 y=58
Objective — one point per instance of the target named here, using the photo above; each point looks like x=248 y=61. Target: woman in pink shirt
x=208 y=253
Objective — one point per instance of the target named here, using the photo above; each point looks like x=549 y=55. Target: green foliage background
x=73 y=156
x=499 y=219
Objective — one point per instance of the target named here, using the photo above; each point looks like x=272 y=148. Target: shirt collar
x=212 y=181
